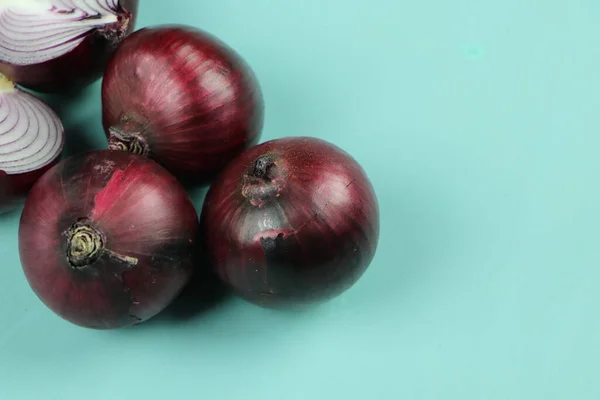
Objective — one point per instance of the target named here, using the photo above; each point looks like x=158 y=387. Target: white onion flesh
x=31 y=134
x=35 y=31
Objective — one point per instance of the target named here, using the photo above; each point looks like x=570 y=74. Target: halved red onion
x=31 y=141
x=51 y=45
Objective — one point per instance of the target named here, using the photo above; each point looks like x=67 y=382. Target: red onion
x=31 y=141
x=108 y=239
x=290 y=222
x=55 y=45
x=183 y=98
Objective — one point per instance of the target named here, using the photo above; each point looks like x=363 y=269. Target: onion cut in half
x=31 y=141
x=52 y=45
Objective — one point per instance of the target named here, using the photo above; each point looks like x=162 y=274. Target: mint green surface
x=479 y=124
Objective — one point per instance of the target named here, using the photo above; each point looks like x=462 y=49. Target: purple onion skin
x=144 y=227
x=80 y=67
x=183 y=98
x=291 y=222
x=14 y=188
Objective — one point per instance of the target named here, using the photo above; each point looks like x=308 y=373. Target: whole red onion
x=292 y=221
x=57 y=45
x=182 y=98
x=108 y=239
x=31 y=141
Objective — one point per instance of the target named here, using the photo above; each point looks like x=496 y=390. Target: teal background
x=478 y=124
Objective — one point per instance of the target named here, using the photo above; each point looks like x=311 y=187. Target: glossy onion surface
x=107 y=239
x=32 y=138
x=290 y=222
x=57 y=45
x=182 y=98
